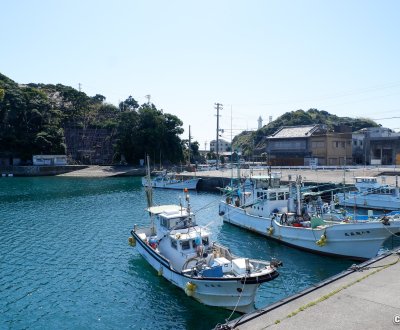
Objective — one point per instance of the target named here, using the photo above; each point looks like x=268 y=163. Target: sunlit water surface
x=65 y=262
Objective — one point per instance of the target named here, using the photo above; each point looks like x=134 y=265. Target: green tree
x=130 y=104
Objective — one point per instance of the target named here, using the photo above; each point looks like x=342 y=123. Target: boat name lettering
x=353 y=233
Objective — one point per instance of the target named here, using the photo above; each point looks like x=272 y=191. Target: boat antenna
x=149 y=193
x=187 y=197
x=298 y=194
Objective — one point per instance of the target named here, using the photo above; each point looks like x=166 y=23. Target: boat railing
x=221 y=251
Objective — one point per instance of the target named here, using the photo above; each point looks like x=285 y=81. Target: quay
x=366 y=296
x=213 y=179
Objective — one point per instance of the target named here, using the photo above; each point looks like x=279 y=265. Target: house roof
x=286 y=132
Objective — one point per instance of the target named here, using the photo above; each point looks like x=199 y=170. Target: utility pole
x=79 y=86
x=218 y=106
x=190 y=144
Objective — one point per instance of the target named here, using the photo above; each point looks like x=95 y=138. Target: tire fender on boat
x=190 y=288
x=283 y=219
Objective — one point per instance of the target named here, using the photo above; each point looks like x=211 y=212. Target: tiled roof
x=294 y=132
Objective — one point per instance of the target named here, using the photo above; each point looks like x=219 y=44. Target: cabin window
x=281 y=196
x=286 y=195
x=272 y=196
x=205 y=240
x=174 y=244
x=185 y=245
x=164 y=222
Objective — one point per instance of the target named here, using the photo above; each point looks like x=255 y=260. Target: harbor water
x=65 y=262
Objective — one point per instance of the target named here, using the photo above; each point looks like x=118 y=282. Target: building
x=90 y=146
x=332 y=148
x=309 y=145
x=376 y=146
x=50 y=160
x=223 y=146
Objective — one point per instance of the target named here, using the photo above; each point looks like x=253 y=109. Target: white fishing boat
x=182 y=252
x=370 y=194
x=171 y=181
x=269 y=209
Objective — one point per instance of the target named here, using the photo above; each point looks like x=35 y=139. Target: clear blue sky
x=257 y=58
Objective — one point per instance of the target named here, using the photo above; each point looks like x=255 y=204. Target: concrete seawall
x=211 y=180
x=364 y=297
x=39 y=170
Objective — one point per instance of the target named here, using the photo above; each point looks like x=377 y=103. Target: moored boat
x=267 y=211
x=182 y=252
x=370 y=194
x=171 y=181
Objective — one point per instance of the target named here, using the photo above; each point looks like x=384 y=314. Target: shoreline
x=213 y=178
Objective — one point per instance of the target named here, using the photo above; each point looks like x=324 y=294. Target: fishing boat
x=171 y=181
x=370 y=194
x=277 y=212
x=182 y=252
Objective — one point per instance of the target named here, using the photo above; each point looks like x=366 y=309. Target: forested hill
x=33 y=118
x=246 y=140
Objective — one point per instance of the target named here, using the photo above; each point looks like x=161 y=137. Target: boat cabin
x=170 y=217
x=189 y=242
x=267 y=181
x=365 y=183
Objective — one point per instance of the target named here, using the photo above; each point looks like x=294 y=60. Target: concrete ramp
x=96 y=171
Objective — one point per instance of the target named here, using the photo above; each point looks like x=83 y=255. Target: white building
x=49 y=160
x=222 y=145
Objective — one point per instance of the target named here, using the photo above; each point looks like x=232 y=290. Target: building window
x=318 y=144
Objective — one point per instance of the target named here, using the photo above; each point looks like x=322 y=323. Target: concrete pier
x=367 y=296
x=319 y=175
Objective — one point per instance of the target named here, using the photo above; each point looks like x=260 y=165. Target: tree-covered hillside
x=34 y=117
x=249 y=140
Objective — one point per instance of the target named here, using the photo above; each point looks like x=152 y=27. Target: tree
x=98 y=98
x=150 y=131
x=130 y=104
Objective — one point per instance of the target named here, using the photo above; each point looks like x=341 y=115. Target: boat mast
x=149 y=193
x=298 y=194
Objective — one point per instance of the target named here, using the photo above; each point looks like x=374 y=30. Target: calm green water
x=65 y=262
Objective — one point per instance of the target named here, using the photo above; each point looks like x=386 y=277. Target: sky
x=255 y=57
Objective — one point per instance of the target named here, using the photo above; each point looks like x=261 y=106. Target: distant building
x=90 y=146
x=376 y=146
x=51 y=160
x=309 y=144
x=222 y=146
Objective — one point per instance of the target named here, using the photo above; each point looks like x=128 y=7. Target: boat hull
x=359 y=241
x=369 y=201
x=190 y=184
x=221 y=292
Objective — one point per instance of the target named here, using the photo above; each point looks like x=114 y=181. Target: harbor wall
x=36 y=170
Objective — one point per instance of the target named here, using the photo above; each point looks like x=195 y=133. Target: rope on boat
x=362 y=268
x=225 y=326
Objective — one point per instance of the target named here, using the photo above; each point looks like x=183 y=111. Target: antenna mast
x=218 y=106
